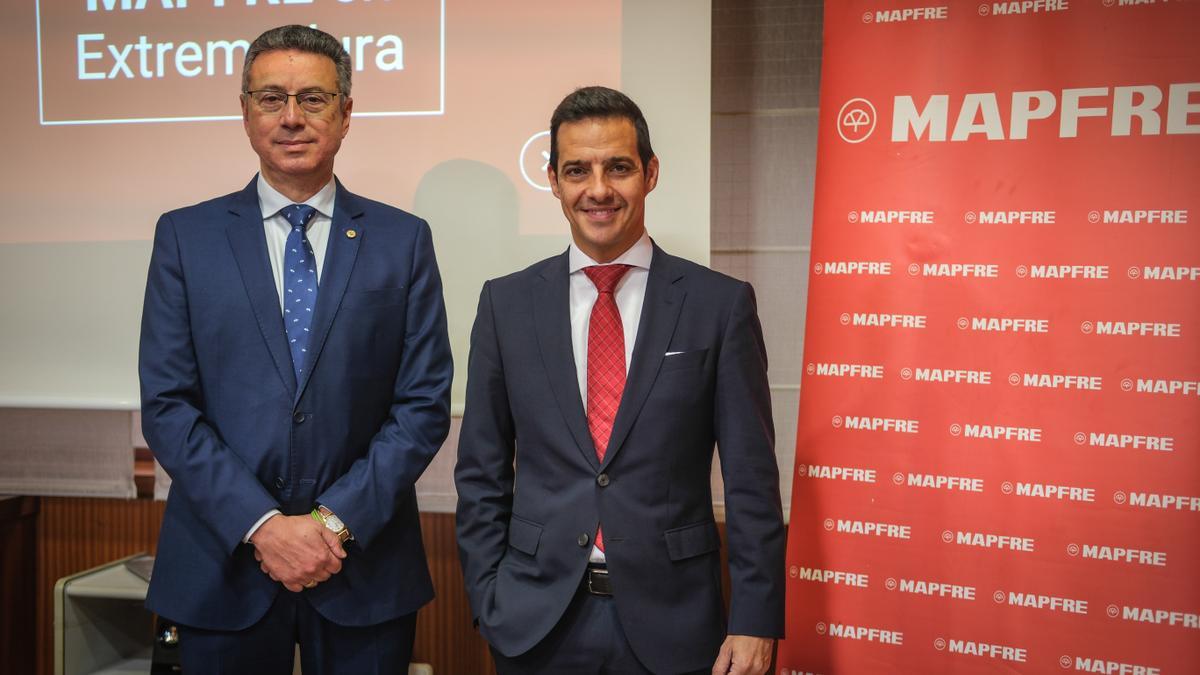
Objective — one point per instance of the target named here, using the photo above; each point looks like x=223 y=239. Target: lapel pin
x=350 y=234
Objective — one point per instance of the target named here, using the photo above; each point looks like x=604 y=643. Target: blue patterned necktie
x=299 y=284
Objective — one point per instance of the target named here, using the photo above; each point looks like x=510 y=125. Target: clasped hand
x=297 y=551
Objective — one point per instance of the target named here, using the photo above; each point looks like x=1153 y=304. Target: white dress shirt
x=629 y=294
x=277 y=230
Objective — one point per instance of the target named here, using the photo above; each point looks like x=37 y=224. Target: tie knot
x=606 y=277
x=298 y=214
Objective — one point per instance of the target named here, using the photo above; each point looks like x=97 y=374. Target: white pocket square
x=672 y=353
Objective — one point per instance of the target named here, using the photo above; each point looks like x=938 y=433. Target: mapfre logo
x=1085 y=664
x=856 y=120
x=934 y=13
x=1023 y=7
x=1145 y=110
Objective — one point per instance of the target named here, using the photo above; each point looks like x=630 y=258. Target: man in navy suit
x=295 y=374
x=599 y=381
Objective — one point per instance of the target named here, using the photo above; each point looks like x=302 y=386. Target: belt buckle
x=592 y=574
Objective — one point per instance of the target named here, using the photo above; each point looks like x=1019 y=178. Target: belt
x=597 y=580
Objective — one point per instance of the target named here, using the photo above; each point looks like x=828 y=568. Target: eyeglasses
x=274 y=101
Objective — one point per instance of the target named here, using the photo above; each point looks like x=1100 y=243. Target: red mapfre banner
x=998 y=456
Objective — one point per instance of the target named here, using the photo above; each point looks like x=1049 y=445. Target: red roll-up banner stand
x=998 y=455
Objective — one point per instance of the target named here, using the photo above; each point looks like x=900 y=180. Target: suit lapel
x=340 y=254
x=249 y=244
x=660 y=314
x=552 y=326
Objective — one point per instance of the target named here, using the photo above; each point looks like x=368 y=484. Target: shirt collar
x=638 y=255
x=271 y=200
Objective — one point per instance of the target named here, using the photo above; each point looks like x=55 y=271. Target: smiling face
x=602 y=184
x=295 y=149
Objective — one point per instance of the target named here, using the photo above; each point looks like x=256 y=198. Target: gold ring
x=311 y=584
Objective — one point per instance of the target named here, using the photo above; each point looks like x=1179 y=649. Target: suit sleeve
x=368 y=496
x=746 y=444
x=216 y=484
x=484 y=472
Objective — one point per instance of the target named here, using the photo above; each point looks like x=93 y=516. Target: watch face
x=334 y=523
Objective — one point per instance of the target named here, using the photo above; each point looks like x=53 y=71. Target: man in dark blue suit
x=295 y=374
x=599 y=381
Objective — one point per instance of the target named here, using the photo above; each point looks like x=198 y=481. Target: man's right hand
x=297 y=551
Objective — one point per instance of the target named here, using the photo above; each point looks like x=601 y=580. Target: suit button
x=602 y=480
x=582 y=540
x=279 y=483
x=299 y=418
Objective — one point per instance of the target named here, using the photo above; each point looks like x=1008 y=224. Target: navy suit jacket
x=225 y=416
x=530 y=485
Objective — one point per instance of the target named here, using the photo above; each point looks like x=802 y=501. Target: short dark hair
x=592 y=102
x=303 y=39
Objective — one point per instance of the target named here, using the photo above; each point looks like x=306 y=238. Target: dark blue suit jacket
x=224 y=414
x=520 y=527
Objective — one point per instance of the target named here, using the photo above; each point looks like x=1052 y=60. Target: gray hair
x=304 y=39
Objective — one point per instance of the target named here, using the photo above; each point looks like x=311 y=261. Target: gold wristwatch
x=330 y=520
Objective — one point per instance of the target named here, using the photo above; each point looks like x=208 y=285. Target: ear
x=552 y=176
x=346 y=116
x=652 y=174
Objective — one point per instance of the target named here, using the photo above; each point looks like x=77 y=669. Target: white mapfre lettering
x=859 y=267
x=889 y=530
x=1120 y=554
x=951 y=375
x=1017 y=217
x=890 y=320
x=848 y=632
x=1053 y=381
x=937 y=588
x=882 y=424
x=868 y=371
x=1029 y=7
x=1002 y=433
x=1002 y=652
x=1008 y=325
x=1151 y=500
x=1059 y=492
x=961 y=270
x=1161 y=617
x=896 y=217
x=1138 y=328
x=951 y=483
x=1170 y=273
x=979 y=114
x=852 y=474
x=1000 y=541
x=1088 y=665
x=911 y=14
x=1131 y=442
x=1171 y=387
x=1147 y=216
x=1068 y=271
x=1047 y=602
x=834 y=577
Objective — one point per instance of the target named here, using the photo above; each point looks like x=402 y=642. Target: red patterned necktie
x=605 y=360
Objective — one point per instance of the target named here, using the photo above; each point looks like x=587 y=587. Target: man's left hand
x=744 y=655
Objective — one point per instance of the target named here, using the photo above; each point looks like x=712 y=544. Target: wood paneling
x=18 y=528
x=446 y=638
x=75 y=534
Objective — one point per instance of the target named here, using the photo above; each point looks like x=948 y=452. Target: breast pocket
x=382 y=297
x=684 y=360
